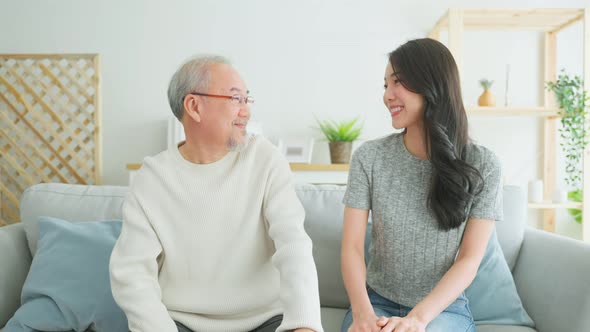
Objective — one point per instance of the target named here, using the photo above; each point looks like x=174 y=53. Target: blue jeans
x=455 y=318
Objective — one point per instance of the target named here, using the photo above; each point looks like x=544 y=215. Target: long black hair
x=426 y=67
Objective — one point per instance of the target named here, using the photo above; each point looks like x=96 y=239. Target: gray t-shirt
x=409 y=254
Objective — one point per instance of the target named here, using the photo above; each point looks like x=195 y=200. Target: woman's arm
x=354 y=271
x=460 y=275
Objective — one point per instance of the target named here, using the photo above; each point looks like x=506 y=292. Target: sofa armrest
x=15 y=261
x=552 y=276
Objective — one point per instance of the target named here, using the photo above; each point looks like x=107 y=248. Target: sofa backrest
x=511 y=229
x=323 y=222
x=68 y=202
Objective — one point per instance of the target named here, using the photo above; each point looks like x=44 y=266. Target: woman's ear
x=192 y=105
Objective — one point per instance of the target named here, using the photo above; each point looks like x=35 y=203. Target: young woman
x=433 y=197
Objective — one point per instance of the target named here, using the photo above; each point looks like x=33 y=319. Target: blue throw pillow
x=492 y=295
x=68 y=285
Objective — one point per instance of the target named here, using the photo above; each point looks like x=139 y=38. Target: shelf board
x=294 y=167
x=550 y=205
x=550 y=19
x=133 y=167
x=513 y=111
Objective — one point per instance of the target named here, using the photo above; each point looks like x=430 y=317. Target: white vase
x=559 y=196
x=536 y=191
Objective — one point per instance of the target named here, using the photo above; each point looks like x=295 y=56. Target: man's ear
x=192 y=107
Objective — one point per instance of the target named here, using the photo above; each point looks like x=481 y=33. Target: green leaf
x=573 y=102
x=344 y=131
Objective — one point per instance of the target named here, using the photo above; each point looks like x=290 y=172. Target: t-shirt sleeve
x=488 y=203
x=358 y=190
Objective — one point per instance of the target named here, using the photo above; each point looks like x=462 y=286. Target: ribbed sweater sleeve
x=134 y=272
x=293 y=257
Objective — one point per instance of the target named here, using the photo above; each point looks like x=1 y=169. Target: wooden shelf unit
x=549 y=22
x=551 y=205
x=545 y=112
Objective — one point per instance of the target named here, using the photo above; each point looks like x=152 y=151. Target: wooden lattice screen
x=49 y=124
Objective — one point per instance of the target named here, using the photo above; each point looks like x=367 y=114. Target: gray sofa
x=552 y=273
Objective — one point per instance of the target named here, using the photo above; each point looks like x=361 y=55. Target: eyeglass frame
x=248 y=100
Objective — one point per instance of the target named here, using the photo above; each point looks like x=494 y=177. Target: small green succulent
x=485 y=83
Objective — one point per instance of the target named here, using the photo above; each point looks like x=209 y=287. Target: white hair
x=191 y=76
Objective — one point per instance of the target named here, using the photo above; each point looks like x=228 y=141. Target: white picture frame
x=175 y=132
x=297 y=150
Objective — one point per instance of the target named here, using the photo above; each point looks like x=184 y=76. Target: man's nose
x=244 y=110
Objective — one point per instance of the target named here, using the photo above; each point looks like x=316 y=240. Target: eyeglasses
x=234 y=99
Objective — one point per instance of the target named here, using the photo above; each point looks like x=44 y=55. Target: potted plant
x=486 y=98
x=573 y=103
x=340 y=136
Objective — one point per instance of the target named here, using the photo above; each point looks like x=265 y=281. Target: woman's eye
x=384 y=86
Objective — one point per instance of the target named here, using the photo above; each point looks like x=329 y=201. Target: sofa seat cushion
x=504 y=328
x=332 y=318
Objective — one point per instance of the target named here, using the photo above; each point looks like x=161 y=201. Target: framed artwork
x=175 y=131
x=297 y=151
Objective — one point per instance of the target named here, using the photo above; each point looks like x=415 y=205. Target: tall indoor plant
x=340 y=135
x=573 y=102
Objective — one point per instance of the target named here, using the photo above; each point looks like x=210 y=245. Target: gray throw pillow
x=68 y=285
x=492 y=295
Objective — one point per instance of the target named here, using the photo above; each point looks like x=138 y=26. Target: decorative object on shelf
x=560 y=195
x=506 y=96
x=573 y=104
x=175 y=131
x=486 y=98
x=340 y=136
x=536 y=191
x=297 y=150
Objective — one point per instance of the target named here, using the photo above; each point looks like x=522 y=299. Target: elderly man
x=213 y=236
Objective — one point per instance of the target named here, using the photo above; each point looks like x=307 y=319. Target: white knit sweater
x=217 y=247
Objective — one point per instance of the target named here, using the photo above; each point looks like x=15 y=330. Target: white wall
x=299 y=58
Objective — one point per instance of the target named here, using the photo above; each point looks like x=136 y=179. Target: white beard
x=236 y=145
